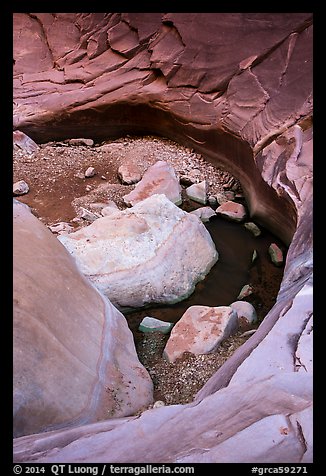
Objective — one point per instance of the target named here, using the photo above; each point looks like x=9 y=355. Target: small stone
x=229 y=195
x=151 y=324
x=88 y=188
x=253 y=228
x=204 y=213
x=20 y=188
x=61 y=227
x=246 y=290
x=158 y=404
x=198 y=192
x=248 y=333
x=276 y=254
x=79 y=175
x=212 y=200
x=254 y=256
x=87 y=142
x=90 y=172
x=187 y=180
x=232 y=211
x=87 y=215
x=129 y=173
x=103 y=177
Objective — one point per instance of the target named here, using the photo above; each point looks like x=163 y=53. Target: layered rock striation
x=237 y=87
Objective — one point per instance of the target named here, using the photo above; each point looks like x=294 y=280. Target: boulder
x=150 y=253
x=246 y=313
x=129 y=173
x=232 y=211
x=74 y=359
x=276 y=254
x=151 y=324
x=160 y=178
x=200 y=330
x=198 y=192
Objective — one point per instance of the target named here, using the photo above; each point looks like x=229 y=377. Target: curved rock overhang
x=235 y=87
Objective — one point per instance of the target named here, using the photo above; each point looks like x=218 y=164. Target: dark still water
x=234 y=268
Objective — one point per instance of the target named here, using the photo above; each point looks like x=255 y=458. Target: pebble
x=253 y=228
x=246 y=290
x=276 y=254
x=90 y=172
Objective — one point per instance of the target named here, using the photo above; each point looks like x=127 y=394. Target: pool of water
x=232 y=271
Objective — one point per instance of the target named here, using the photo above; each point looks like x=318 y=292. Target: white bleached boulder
x=200 y=330
x=152 y=252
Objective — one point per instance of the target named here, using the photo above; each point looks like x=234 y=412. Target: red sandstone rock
x=237 y=87
x=200 y=330
x=232 y=211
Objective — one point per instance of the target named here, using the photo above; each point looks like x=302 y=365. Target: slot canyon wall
x=237 y=87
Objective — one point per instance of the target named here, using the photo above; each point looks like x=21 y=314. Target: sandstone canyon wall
x=238 y=89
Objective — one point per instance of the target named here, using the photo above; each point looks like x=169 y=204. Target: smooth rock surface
x=200 y=330
x=232 y=211
x=159 y=178
x=151 y=324
x=152 y=252
x=74 y=358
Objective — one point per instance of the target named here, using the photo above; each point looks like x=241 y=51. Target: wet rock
x=276 y=254
x=159 y=178
x=86 y=142
x=152 y=252
x=200 y=330
x=90 y=172
x=198 y=192
x=253 y=228
x=151 y=324
x=232 y=211
x=204 y=213
x=20 y=188
x=23 y=142
x=246 y=313
x=74 y=357
x=246 y=290
x=129 y=173
x=254 y=256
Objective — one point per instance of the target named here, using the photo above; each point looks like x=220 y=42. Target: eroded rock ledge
x=238 y=88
